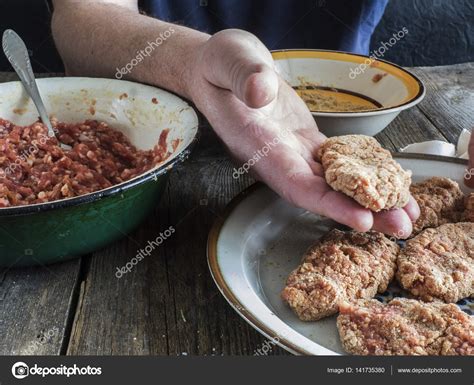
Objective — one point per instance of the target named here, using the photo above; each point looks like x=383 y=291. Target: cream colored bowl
x=389 y=87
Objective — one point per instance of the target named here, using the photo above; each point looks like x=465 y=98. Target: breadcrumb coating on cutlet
x=441 y=201
x=438 y=264
x=405 y=327
x=341 y=266
x=359 y=167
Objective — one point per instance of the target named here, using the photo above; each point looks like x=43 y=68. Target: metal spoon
x=17 y=54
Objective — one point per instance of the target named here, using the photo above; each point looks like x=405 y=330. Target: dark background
x=440 y=32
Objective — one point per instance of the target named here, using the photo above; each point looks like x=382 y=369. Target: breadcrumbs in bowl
x=343 y=98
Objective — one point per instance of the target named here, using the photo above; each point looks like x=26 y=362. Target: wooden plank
x=442 y=114
x=116 y=316
x=12 y=76
x=35 y=308
x=8 y=77
x=449 y=100
x=168 y=304
x=409 y=127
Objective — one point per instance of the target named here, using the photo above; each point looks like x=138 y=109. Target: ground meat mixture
x=440 y=201
x=438 y=264
x=405 y=327
x=342 y=266
x=35 y=169
x=359 y=167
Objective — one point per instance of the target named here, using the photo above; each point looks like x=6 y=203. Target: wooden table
x=169 y=304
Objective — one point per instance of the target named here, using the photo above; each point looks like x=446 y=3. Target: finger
x=313 y=194
x=238 y=61
x=316 y=168
x=258 y=85
x=412 y=209
x=291 y=176
x=395 y=223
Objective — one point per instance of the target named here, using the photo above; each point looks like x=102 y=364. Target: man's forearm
x=97 y=39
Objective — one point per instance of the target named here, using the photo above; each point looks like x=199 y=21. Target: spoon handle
x=17 y=54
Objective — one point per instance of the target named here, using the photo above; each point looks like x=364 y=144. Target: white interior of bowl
x=141 y=112
x=388 y=91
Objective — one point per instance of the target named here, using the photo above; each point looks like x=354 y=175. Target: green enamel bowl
x=55 y=231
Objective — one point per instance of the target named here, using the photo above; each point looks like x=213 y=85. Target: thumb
x=237 y=61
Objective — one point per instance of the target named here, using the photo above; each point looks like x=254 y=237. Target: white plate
x=260 y=240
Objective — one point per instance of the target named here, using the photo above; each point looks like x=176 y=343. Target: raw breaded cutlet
x=468 y=214
x=405 y=327
x=342 y=266
x=440 y=200
x=439 y=263
x=359 y=167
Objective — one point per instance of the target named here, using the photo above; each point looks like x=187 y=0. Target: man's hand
x=231 y=79
x=469 y=181
x=233 y=82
